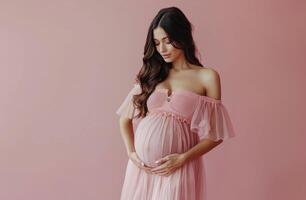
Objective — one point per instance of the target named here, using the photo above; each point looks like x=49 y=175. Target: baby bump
x=158 y=136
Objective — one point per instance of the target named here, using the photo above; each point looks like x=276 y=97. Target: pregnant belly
x=158 y=136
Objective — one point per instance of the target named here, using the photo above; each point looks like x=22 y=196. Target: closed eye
x=168 y=42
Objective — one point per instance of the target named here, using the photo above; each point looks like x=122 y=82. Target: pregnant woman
x=172 y=116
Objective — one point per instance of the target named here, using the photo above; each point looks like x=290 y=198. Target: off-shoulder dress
x=174 y=124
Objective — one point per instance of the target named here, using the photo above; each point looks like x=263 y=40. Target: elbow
x=124 y=120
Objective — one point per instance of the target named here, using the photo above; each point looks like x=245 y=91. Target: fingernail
x=142 y=164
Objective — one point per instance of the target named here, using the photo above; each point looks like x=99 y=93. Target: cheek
x=170 y=49
x=175 y=53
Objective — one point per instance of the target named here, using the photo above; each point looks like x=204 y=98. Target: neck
x=180 y=64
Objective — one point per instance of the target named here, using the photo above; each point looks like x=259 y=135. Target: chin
x=167 y=60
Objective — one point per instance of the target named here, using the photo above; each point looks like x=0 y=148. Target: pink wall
x=61 y=66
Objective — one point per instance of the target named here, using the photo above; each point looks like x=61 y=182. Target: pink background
x=67 y=65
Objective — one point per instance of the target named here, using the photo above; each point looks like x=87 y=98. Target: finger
x=160 y=168
x=164 y=173
x=164 y=159
x=165 y=169
x=135 y=163
x=142 y=164
x=138 y=159
x=170 y=172
x=167 y=173
x=146 y=168
x=160 y=171
x=159 y=161
x=138 y=163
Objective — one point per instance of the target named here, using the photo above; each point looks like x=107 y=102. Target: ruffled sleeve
x=211 y=120
x=127 y=108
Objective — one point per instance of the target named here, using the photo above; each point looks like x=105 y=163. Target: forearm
x=200 y=149
x=127 y=134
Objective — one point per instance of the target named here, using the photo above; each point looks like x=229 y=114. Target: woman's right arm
x=127 y=134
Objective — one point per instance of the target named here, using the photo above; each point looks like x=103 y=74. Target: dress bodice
x=205 y=115
x=181 y=102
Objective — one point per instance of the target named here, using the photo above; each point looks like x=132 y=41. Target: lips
x=166 y=55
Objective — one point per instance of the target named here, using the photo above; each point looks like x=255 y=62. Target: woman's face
x=164 y=47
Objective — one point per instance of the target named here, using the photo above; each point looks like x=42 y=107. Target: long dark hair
x=154 y=69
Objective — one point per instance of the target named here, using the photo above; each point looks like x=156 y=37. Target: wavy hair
x=154 y=69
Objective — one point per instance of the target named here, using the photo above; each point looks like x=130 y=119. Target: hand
x=139 y=163
x=170 y=164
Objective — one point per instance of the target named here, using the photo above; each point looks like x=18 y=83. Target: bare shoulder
x=206 y=72
x=210 y=79
x=209 y=74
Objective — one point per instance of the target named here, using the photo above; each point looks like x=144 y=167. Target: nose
x=162 y=47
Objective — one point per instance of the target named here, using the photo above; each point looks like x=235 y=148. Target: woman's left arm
x=211 y=79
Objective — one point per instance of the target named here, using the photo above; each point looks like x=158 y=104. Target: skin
x=205 y=81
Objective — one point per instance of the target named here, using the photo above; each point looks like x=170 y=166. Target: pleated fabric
x=173 y=125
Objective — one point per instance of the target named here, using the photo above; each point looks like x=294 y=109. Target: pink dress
x=174 y=124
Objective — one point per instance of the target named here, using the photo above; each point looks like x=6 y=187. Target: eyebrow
x=162 y=38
